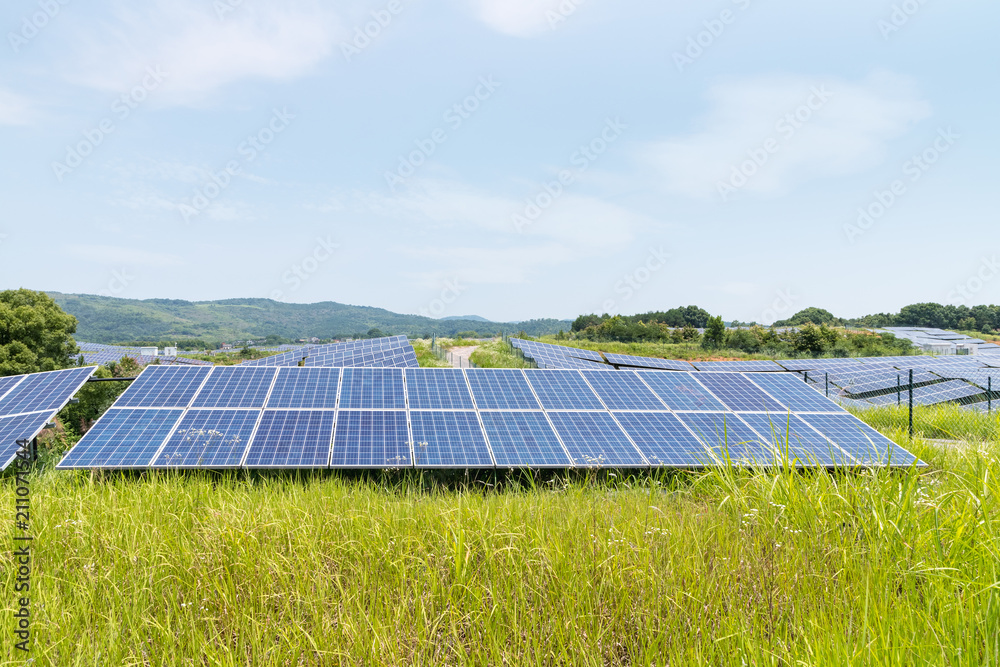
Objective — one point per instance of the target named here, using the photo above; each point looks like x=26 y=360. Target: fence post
x=911 y=404
x=827 y=384
x=899 y=390
x=807 y=377
x=989 y=394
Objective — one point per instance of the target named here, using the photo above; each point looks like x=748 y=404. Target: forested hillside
x=112 y=320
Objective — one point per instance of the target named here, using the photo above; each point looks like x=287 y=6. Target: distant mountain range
x=113 y=320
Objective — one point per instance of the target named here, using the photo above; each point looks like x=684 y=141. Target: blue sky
x=507 y=158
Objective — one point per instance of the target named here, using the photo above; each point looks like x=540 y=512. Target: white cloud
x=14 y=109
x=199 y=50
x=521 y=18
x=490 y=249
x=847 y=132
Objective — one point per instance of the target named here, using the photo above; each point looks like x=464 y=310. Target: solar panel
x=648 y=362
x=794 y=393
x=449 y=440
x=501 y=389
x=235 y=387
x=728 y=438
x=163 y=387
x=623 y=391
x=371 y=439
x=19 y=427
x=594 y=440
x=563 y=390
x=663 y=439
x=861 y=441
x=209 y=439
x=882 y=381
x=122 y=438
x=372 y=389
x=44 y=391
x=305 y=388
x=738 y=393
x=737 y=366
x=437 y=389
x=292 y=439
x=680 y=391
x=523 y=439
x=796 y=442
x=7 y=383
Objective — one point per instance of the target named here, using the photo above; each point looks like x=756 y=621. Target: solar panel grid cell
x=680 y=391
x=372 y=389
x=728 y=438
x=795 y=442
x=563 y=390
x=501 y=389
x=738 y=393
x=623 y=391
x=235 y=387
x=437 y=389
x=663 y=439
x=860 y=441
x=123 y=438
x=208 y=439
x=594 y=440
x=523 y=439
x=43 y=391
x=449 y=440
x=163 y=387
x=371 y=439
x=313 y=388
x=793 y=392
x=19 y=427
x=292 y=439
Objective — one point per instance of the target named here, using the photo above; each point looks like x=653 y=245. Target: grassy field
x=725 y=567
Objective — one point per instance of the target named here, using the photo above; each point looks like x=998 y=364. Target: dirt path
x=458 y=354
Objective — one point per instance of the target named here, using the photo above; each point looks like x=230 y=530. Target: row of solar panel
x=394 y=351
x=457 y=389
x=138 y=438
x=28 y=402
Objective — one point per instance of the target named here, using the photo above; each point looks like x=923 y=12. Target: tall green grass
x=721 y=567
x=498 y=354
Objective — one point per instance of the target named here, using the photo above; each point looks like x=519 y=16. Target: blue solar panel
x=18 y=427
x=648 y=362
x=623 y=391
x=523 y=439
x=209 y=439
x=861 y=441
x=292 y=439
x=449 y=440
x=738 y=393
x=737 y=366
x=795 y=442
x=729 y=438
x=563 y=390
x=305 y=388
x=794 y=393
x=7 y=383
x=680 y=391
x=663 y=439
x=44 y=391
x=164 y=387
x=594 y=440
x=372 y=388
x=235 y=387
x=501 y=389
x=437 y=389
x=371 y=439
x=122 y=438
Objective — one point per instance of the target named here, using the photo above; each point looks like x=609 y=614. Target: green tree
x=715 y=333
x=814 y=315
x=35 y=334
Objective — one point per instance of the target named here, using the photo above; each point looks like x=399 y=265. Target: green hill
x=112 y=320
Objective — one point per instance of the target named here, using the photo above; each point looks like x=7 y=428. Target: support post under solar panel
x=989 y=395
x=911 y=404
x=899 y=390
x=827 y=384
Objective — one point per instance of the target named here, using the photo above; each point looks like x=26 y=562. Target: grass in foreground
x=722 y=567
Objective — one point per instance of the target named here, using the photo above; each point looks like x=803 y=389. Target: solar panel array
x=390 y=351
x=28 y=402
x=259 y=417
x=96 y=353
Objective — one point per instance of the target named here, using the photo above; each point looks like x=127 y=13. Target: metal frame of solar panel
x=382 y=417
x=29 y=402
